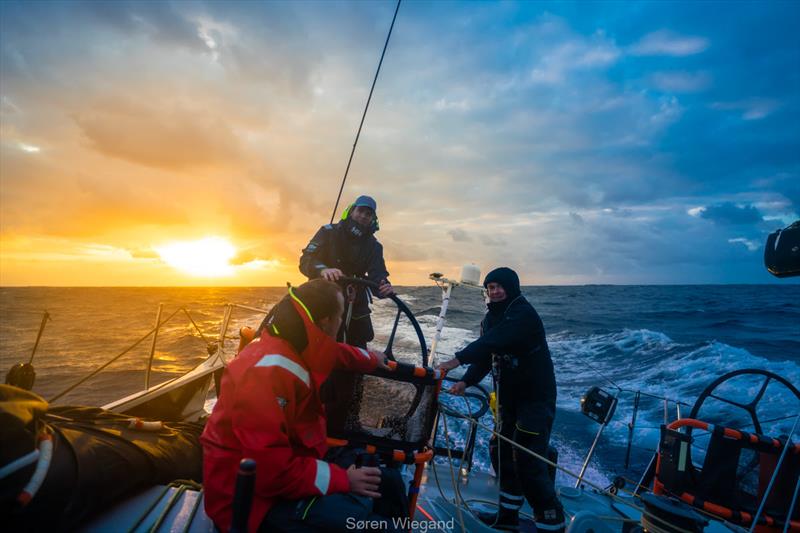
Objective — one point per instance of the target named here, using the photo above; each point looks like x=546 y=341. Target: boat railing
x=214 y=347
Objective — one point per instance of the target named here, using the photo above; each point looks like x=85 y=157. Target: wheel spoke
x=756 y=423
x=726 y=400
x=760 y=392
x=750 y=408
x=390 y=343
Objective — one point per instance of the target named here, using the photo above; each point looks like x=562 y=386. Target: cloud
x=459 y=235
x=729 y=213
x=574 y=55
x=490 y=240
x=681 y=82
x=577 y=219
x=536 y=137
x=751 y=109
x=31 y=149
x=749 y=244
x=7 y=106
x=161 y=21
x=404 y=252
x=669 y=110
x=144 y=253
x=665 y=42
x=177 y=138
x=444 y=104
x=253 y=258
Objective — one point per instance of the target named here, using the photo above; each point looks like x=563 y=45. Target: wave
x=651 y=362
x=629 y=360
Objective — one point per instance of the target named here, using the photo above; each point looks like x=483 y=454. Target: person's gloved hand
x=458 y=389
x=331 y=274
x=385 y=289
x=449 y=365
x=381 y=360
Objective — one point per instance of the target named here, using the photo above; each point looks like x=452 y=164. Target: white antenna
x=470 y=279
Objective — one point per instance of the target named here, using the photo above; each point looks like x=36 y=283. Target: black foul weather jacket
x=513 y=337
x=333 y=246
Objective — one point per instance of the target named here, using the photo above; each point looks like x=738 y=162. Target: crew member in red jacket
x=269 y=410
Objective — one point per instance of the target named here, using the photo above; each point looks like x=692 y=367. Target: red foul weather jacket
x=269 y=410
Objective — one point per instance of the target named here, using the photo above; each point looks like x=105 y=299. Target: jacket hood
x=320 y=349
x=291 y=321
x=507 y=278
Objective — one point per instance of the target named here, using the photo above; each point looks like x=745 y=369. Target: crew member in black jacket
x=348 y=248
x=513 y=345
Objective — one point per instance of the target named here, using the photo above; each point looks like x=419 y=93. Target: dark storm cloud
x=162 y=21
x=730 y=213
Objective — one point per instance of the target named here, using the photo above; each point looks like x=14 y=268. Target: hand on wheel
x=331 y=274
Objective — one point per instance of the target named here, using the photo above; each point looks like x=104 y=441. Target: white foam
x=406 y=343
x=633 y=359
x=648 y=361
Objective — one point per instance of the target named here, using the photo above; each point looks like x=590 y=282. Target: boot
x=551 y=520
x=503 y=520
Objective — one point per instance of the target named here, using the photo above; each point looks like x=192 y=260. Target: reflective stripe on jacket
x=269 y=410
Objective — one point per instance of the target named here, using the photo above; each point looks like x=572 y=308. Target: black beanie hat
x=505 y=277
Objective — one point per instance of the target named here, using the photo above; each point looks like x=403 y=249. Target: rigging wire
x=364 y=115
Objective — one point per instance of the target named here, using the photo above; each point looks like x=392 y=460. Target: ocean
x=664 y=341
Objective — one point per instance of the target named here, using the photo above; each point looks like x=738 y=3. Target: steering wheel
x=749 y=408
x=402 y=310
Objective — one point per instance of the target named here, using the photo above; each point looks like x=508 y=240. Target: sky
x=607 y=142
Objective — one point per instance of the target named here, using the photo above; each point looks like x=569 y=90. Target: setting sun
x=208 y=257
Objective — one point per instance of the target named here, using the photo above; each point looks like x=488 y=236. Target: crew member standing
x=349 y=248
x=513 y=345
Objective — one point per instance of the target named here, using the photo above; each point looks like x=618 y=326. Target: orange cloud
x=173 y=139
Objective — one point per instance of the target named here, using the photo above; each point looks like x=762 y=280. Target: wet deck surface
x=174 y=510
x=170 y=509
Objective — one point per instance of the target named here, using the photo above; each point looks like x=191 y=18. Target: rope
x=364 y=115
x=452 y=476
x=615 y=385
x=678 y=402
x=603 y=376
x=181 y=485
x=149 y=509
x=195 y=326
x=173 y=499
